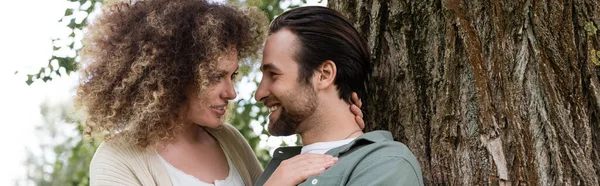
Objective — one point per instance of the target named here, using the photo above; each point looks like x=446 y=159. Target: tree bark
x=486 y=92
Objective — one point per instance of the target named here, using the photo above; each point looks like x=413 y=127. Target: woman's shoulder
x=111 y=153
x=226 y=130
x=114 y=164
x=108 y=148
x=231 y=128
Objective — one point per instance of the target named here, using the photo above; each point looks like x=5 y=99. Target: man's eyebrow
x=268 y=66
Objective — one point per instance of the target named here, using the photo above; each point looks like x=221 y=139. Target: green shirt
x=374 y=158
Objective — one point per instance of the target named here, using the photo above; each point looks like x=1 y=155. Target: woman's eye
x=217 y=77
x=234 y=75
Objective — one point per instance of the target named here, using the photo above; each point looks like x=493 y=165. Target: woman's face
x=209 y=108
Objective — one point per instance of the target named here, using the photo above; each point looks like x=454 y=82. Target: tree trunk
x=487 y=92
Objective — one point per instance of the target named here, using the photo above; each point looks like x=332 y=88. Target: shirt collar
x=283 y=153
x=366 y=138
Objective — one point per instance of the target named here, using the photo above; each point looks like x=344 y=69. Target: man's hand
x=295 y=170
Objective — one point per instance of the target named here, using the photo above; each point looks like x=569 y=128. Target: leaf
x=29 y=79
x=68 y=12
x=46 y=78
x=72 y=24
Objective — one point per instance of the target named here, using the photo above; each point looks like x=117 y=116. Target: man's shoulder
x=389 y=151
x=379 y=143
x=372 y=162
x=380 y=150
x=382 y=161
x=388 y=148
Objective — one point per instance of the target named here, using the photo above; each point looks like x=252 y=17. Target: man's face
x=289 y=100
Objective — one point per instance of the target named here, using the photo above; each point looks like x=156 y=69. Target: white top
x=323 y=147
x=180 y=178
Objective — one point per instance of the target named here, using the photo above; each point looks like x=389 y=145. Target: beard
x=296 y=107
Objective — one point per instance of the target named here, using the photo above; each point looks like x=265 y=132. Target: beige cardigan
x=130 y=166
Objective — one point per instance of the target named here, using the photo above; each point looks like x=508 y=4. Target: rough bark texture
x=487 y=92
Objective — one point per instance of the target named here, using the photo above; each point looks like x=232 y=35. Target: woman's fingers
x=310 y=160
x=312 y=165
x=308 y=157
x=355 y=109
x=360 y=122
x=358 y=116
x=356 y=100
x=311 y=172
x=295 y=170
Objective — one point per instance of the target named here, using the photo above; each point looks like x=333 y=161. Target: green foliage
x=66 y=63
x=270 y=7
x=63 y=155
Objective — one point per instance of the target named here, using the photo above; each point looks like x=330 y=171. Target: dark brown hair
x=325 y=34
x=139 y=60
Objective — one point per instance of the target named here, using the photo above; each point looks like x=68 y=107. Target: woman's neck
x=192 y=134
x=191 y=139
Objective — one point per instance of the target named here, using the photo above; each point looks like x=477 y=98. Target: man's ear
x=326 y=73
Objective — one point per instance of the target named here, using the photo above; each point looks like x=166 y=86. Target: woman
x=156 y=81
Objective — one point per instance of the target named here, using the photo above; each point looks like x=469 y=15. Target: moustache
x=267 y=100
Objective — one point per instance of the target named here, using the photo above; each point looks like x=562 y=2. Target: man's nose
x=261 y=93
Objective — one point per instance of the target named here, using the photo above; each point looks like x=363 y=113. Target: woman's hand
x=355 y=108
x=295 y=170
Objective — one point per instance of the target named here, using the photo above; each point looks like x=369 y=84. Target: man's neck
x=332 y=121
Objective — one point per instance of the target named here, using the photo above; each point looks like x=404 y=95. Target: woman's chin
x=212 y=124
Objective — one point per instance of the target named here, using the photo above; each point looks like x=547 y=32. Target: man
x=313 y=60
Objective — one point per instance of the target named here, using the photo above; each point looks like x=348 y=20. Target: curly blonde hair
x=139 y=59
